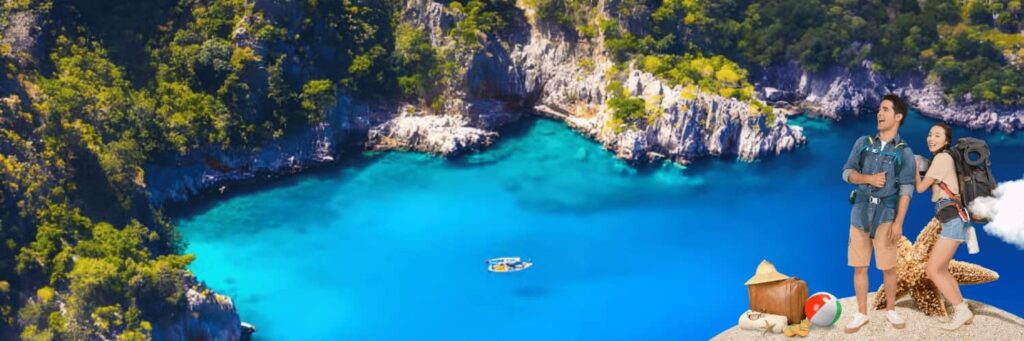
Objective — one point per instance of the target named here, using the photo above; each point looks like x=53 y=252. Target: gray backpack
x=973 y=170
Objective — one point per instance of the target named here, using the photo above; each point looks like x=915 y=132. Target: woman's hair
x=949 y=139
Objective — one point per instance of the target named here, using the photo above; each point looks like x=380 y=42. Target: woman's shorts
x=954 y=229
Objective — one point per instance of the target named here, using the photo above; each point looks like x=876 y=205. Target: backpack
x=973 y=170
x=898 y=153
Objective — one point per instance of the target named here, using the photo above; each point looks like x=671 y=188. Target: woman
x=942 y=179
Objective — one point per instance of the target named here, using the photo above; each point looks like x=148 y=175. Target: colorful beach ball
x=823 y=309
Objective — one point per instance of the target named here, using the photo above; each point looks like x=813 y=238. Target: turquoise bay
x=392 y=245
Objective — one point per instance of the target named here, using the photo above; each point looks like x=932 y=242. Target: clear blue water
x=392 y=246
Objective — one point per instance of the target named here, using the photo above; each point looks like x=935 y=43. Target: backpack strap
x=897 y=154
x=865 y=147
x=956 y=202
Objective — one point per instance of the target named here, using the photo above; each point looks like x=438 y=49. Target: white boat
x=503 y=260
x=508 y=264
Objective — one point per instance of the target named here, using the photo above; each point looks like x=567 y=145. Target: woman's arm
x=941 y=163
x=921 y=183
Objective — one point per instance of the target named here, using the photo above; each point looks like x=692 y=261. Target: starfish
x=910 y=268
x=767 y=327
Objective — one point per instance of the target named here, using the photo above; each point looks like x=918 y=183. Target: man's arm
x=856 y=178
x=905 y=175
x=851 y=169
x=905 y=181
x=896 y=231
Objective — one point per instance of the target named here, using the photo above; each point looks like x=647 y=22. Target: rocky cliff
x=530 y=68
x=207 y=316
x=839 y=92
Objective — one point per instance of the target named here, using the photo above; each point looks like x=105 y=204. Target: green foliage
x=716 y=74
x=318 y=96
x=112 y=283
x=896 y=36
x=423 y=69
x=628 y=110
x=191 y=119
x=968 y=61
x=574 y=15
x=90 y=107
x=482 y=17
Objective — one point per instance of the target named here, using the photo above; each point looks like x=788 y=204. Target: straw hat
x=765 y=273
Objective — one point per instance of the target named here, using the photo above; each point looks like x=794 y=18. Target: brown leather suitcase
x=785 y=297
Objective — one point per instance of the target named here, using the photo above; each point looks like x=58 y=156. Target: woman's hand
x=921 y=183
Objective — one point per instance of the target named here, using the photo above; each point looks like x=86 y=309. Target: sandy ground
x=990 y=323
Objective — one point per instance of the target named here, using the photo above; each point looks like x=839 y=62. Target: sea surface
x=391 y=246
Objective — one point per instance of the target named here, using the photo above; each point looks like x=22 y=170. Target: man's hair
x=898 y=105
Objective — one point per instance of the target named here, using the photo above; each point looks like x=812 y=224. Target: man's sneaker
x=961 y=316
x=895 y=319
x=859 y=320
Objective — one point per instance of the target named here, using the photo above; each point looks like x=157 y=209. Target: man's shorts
x=883 y=214
x=860 y=245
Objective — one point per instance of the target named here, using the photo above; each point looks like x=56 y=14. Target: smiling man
x=882 y=166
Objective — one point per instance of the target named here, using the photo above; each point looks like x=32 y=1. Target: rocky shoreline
x=839 y=92
x=208 y=316
x=531 y=68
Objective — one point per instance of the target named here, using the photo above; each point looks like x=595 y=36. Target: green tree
x=318 y=96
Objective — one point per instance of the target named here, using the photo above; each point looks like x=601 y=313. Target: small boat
x=503 y=260
x=508 y=264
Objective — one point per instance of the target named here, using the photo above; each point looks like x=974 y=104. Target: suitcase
x=785 y=297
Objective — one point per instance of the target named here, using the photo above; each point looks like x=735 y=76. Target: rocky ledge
x=688 y=127
x=444 y=135
x=207 y=316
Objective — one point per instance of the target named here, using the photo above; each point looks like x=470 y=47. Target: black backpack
x=973 y=170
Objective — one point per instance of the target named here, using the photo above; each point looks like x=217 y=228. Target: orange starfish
x=910 y=267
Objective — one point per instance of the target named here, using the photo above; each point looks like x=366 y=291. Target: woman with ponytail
x=941 y=178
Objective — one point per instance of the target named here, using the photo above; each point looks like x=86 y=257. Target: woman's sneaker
x=859 y=320
x=961 y=316
x=895 y=319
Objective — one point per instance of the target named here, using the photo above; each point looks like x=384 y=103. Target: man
x=883 y=168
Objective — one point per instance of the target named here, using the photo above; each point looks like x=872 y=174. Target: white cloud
x=1005 y=210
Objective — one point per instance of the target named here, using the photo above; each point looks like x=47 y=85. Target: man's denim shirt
x=901 y=180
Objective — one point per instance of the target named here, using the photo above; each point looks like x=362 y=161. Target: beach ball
x=822 y=309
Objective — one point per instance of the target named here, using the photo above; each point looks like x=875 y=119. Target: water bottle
x=972 y=241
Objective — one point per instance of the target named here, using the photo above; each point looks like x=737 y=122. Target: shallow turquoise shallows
x=393 y=246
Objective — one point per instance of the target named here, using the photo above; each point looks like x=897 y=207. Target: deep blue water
x=392 y=245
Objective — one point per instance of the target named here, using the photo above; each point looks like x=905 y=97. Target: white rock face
x=840 y=92
x=692 y=128
x=442 y=135
x=568 y=79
